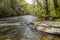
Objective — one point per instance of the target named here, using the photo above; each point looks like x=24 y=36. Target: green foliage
x=23 y=8
x=6 y=11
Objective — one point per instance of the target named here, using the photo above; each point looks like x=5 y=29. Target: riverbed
x=22 y=31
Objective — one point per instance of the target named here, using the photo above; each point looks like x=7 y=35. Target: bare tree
x=39 y=3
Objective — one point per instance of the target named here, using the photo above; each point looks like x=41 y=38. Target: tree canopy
x=45 y=9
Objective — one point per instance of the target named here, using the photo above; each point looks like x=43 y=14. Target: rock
x=10 y=31
x=48 y=27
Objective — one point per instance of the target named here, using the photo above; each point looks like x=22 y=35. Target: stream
x=16 y=28
x=30 y=34
x=18 y=31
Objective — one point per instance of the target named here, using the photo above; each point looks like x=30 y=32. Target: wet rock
x=48 y=27
x=10 y=31
x=9 y=20
x=14 y=29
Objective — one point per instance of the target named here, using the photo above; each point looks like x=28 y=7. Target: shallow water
x=24 y=32
x=29 y=34
x=18 y=32
x=28 y=18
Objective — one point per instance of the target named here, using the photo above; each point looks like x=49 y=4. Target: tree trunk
x=47 y=10
x=55 y=4
x=13 y=3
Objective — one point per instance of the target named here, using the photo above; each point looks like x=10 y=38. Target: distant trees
x=51 y=9
x=12 y=8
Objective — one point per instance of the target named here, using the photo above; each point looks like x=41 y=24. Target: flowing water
x=20 y=31
x=30 y=34
x=24 y=32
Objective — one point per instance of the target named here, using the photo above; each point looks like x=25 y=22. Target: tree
x=13 y=3
x=57 y=8
x=55 y=4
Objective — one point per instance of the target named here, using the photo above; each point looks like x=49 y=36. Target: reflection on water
x=28 y=18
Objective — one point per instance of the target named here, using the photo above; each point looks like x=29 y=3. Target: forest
x=29 y=19
x=43 y=9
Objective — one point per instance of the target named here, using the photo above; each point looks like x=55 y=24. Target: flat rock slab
x=11 y=20
x=46 y=26
x=10 y=31
x=17 y=31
